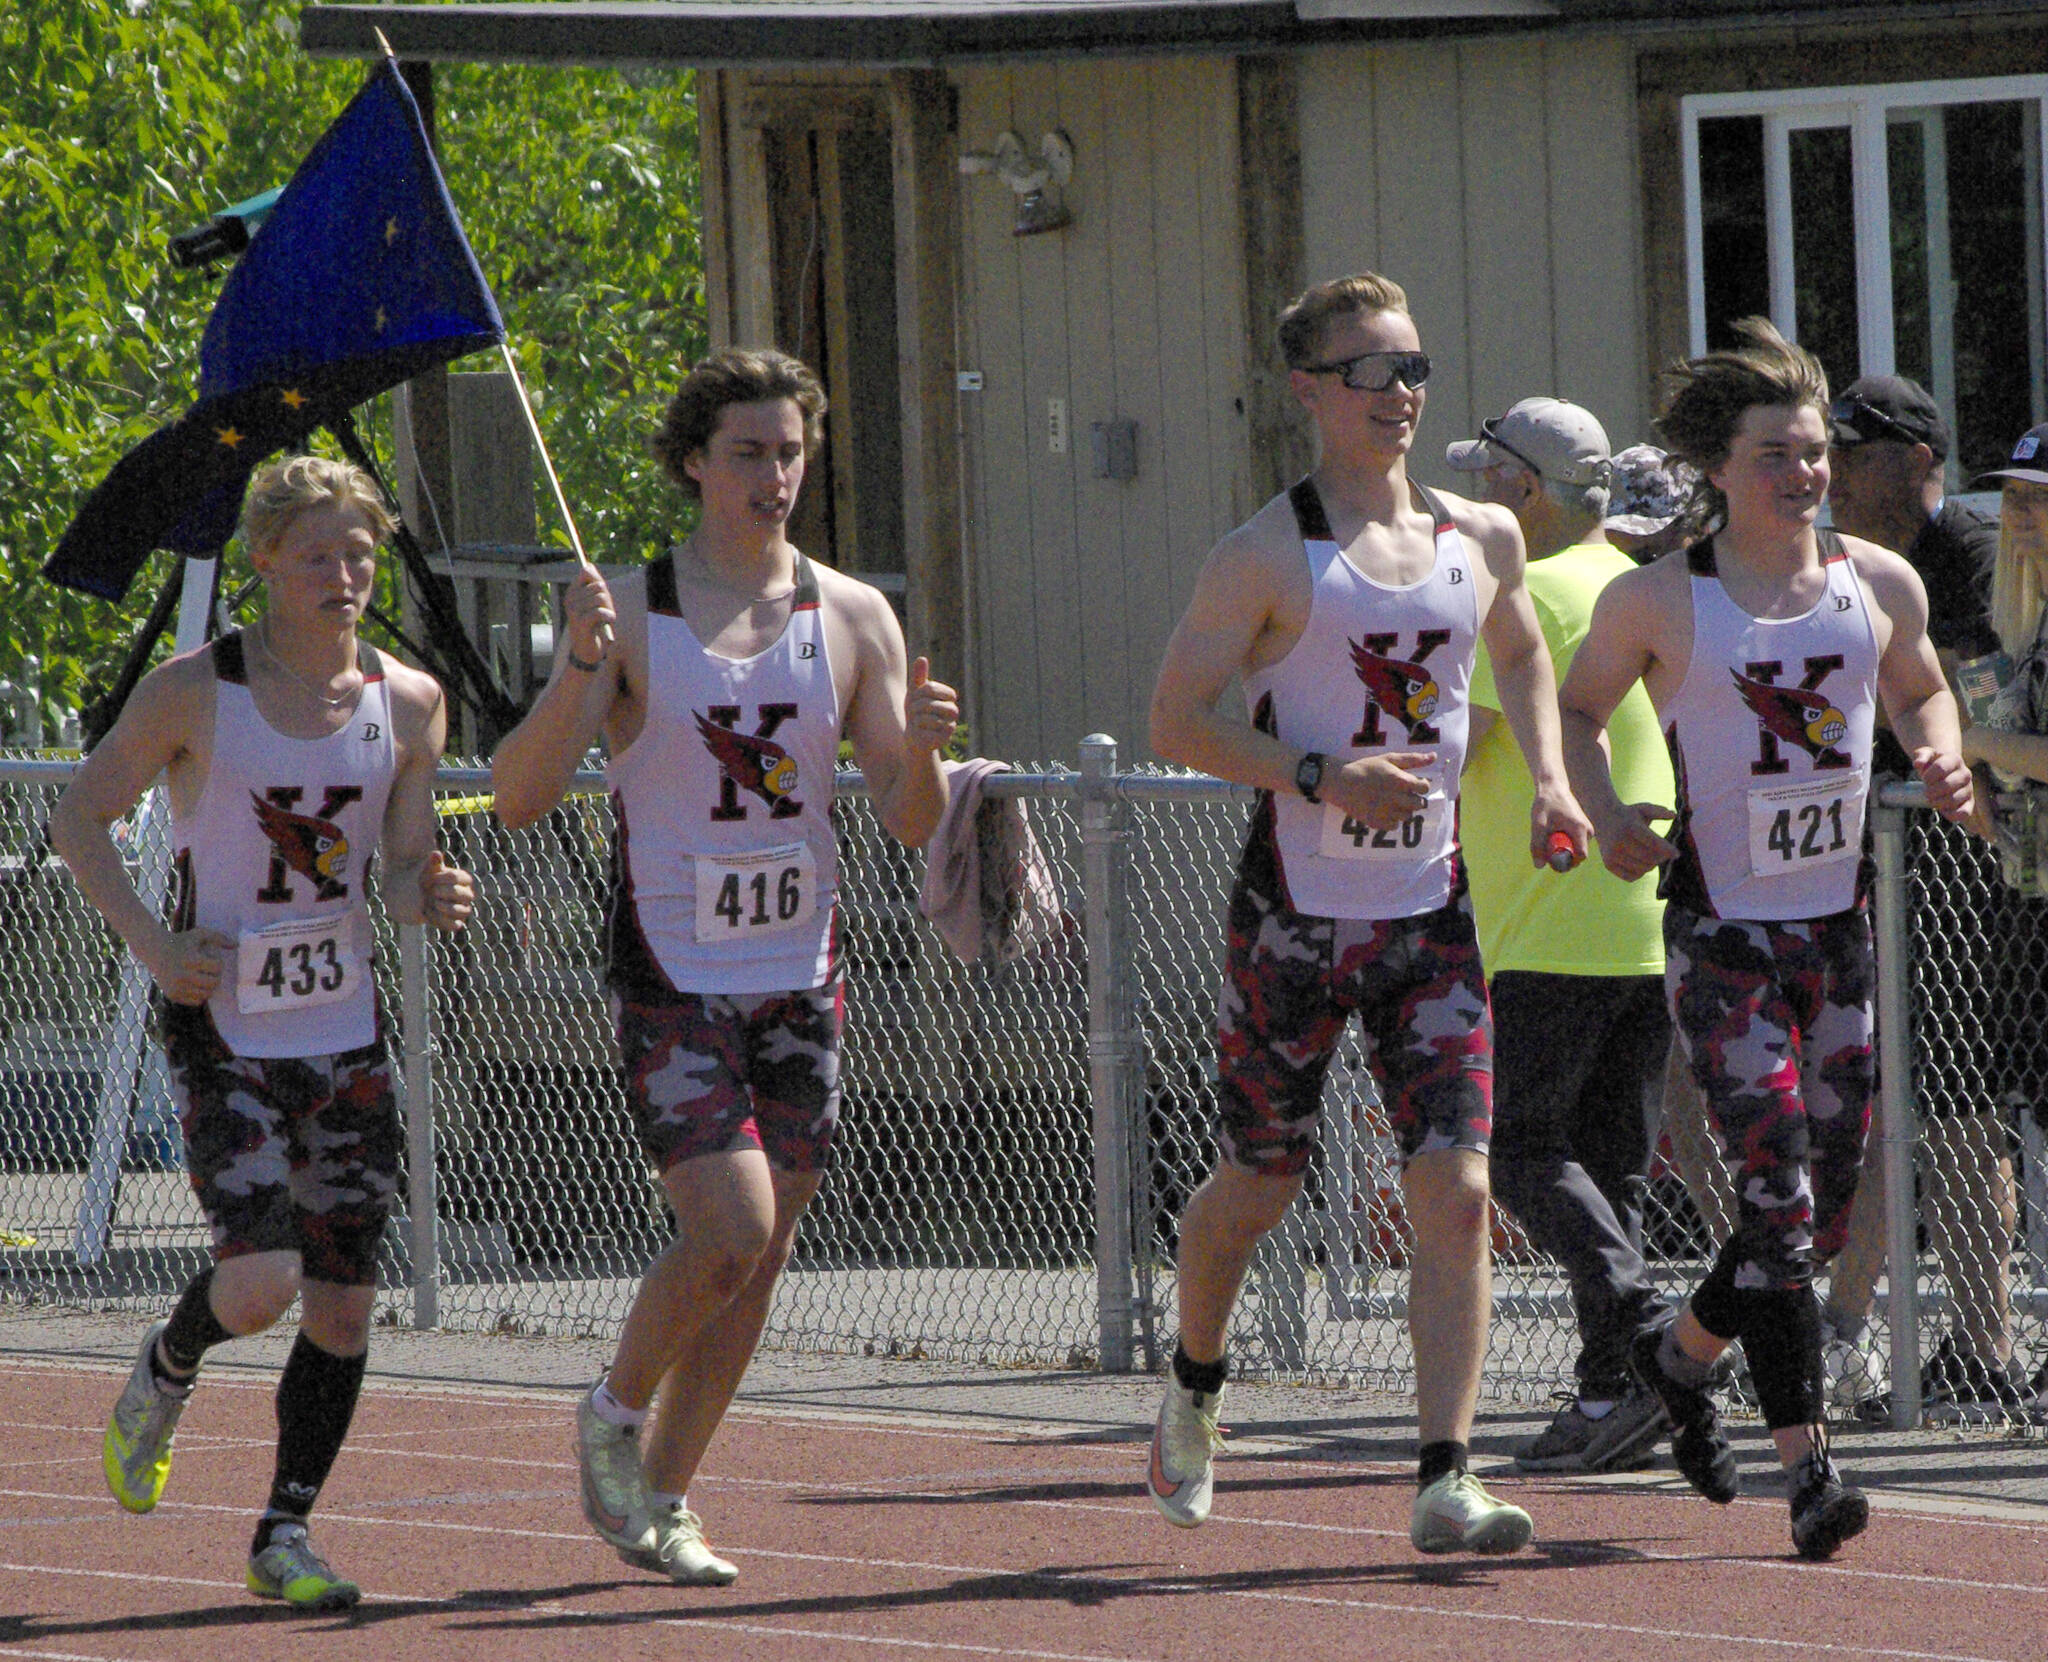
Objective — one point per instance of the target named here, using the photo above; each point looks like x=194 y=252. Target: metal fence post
x=1103 y=867
x=416 y=997
x=1901 y=1120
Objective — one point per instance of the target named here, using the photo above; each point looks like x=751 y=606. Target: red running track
x=874 y=1539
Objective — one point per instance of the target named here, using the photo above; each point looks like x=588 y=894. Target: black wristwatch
x=1308 y=774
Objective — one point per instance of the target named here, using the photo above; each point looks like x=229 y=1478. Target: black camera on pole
x=223 y=236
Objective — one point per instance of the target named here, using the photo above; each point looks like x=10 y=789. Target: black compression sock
x=1203 y=1377
x=192 y=1331
x=316 y=1400
x=1439 y=1460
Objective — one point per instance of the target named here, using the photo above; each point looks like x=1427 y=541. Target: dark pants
x=1572 y=1132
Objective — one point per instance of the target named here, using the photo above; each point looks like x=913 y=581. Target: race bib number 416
x=741 y=897
x=1796 y=827
x=296 y=966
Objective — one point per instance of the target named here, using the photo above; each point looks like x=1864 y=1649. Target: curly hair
x=1704 y=400
x=738 y=375
x=292 y=486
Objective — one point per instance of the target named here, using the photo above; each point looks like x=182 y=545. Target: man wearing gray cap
x=1580 y=1022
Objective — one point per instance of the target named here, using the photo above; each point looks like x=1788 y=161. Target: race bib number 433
x=1796 y=827
x=295 y=966
x=740 y=897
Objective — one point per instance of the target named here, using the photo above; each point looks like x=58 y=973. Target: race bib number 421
x=296 y=966
x=743 y=896
x=1796 y=827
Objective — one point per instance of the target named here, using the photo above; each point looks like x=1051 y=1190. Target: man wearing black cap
x=1888 y=450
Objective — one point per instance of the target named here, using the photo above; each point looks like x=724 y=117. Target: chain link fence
x=1017 y=1139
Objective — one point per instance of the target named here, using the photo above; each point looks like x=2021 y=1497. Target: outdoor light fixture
x=1040 y=204
x=225 y=235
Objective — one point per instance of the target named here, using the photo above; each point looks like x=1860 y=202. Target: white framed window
x=1894 y=229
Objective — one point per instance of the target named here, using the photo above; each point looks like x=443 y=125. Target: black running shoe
x=1698 y=1444
x=1825 y=1510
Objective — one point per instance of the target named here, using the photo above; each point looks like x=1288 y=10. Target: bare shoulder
x=1262 y=555
x=1891 y=579
x=1648 y=596
x=414 y=694
x=857 y=606
x=1475 y=519
x=176 y=698
x=418 y=709
x=1491 y=526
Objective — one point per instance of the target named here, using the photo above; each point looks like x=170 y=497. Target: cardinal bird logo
x=314 y=848
x=1406 y=691
x=1808 y=719
x=753 y=763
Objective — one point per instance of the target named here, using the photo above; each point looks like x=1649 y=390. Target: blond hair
x=1305 y=317
x=2016 y=597
x=292 y=486
x=1706 y=398
x=739 y=375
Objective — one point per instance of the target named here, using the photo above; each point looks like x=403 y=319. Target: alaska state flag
x=359 y=279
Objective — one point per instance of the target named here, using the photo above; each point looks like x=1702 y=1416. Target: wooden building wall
x=1135 y=310
x=1497 y=182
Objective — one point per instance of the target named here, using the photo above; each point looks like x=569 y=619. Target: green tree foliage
x=122 y=121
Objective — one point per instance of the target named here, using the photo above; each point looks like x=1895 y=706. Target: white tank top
x=276 y=855
x=725 y=867
x=1377 y=669
x=1770 y=737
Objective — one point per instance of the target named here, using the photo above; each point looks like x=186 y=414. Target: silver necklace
x=311 y=690
x=701 y=572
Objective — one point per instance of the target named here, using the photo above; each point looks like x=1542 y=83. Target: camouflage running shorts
x=287 y=1154
x=704 y=1070
x=1776 y=1023
x=1290 y=982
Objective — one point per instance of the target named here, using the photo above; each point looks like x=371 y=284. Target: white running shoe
x=681 y=1553
x=1185 y=1441
x=614 y=1493
x=1455 y=1514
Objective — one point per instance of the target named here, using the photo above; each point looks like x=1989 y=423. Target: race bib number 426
x=295 y=966
x=1796 y=827
x=740 y=897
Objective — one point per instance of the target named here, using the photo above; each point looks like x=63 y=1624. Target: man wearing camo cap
x=1647 y=493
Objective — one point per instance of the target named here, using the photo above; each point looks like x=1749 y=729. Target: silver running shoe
x=136 y=1451
x=1181 y=1478
x=614 y=1493
x=681 y=1553
x=289 y=1569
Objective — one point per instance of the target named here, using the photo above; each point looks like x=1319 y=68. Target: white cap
x=1558 y=440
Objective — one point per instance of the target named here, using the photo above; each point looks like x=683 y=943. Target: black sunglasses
x=1496 y=442
x=1850 y=412
x=1411 y=369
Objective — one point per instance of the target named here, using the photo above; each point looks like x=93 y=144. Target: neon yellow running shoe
x=289 y=1569
x=136 y=1452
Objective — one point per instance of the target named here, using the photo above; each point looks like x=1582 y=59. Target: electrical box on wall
x=1116 y=448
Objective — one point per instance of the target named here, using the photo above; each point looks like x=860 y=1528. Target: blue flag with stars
x=360 y=278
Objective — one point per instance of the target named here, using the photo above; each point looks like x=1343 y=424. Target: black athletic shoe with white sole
x=1699 y=1446
x=1825 y=1510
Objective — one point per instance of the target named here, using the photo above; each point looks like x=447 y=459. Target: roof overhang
x=802 y=32
x=892 y=33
